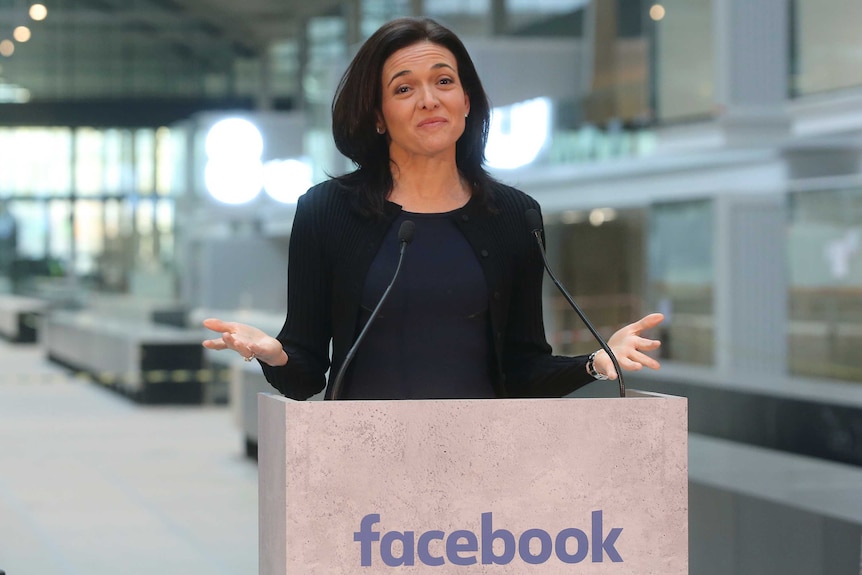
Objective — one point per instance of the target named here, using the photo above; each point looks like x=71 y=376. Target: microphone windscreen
x=534 y=222
x=405 y=232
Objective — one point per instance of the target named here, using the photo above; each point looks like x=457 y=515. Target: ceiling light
x=572 y=217
x=232 y=138
x=38 y=12
x=234 y=182
x=21 y=34
x=286 y=180
x=656 y=12
x=7 y=48
x=234 y=170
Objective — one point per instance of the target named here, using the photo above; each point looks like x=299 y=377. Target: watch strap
x=591 y=368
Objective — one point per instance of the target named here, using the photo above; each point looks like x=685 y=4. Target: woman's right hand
x=246 y=340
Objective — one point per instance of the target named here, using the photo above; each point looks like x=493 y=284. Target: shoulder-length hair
x=357 y=104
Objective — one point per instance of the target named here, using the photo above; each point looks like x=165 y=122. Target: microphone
x=405 y=236
x=534 y=223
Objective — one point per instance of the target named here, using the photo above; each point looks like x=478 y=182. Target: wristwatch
x=591 y=367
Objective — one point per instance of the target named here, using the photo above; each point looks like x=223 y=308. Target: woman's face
x=424 y=105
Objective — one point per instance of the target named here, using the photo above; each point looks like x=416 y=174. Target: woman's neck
x=429 y=188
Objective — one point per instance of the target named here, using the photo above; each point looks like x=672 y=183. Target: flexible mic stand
x=405 y=235
x=534 y=222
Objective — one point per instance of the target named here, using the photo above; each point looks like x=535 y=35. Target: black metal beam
x=120 y=113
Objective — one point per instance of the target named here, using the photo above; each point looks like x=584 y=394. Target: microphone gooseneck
x=534 y=223
x=405 y=236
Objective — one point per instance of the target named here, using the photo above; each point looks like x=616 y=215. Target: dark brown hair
x=357 y=103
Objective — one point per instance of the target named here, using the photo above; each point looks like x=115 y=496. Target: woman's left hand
x=629 y=347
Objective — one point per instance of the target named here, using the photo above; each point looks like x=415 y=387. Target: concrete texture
x=439 y=465
x=93 y=484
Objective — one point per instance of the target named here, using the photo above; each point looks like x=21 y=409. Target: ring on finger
x=249 y=358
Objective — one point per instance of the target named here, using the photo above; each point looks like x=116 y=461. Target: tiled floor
x=93 y=484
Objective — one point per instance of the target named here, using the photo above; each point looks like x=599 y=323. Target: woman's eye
x=402 y=90
x=446 y=81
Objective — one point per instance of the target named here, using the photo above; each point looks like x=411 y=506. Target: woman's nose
x=428 y=98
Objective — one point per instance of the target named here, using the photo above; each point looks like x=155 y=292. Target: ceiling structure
x=104 y=50
x=147 y=62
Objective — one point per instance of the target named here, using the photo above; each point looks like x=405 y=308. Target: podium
x=507 y=486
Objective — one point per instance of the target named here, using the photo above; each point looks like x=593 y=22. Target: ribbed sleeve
x=528 y=367
x=307 y=330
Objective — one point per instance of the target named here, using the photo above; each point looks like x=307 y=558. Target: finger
x=647 y=344
x=647 y=322
x=232 y=341
x=643 y=360
x=634 y=345
x=217 y=344
x=216 y=324
x=627 y=359
x=629 y=364
x=636 y=328
x=239 y=345
x=644 y=324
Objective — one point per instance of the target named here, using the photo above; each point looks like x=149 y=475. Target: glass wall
x=825 y=255
x=826 y=45
x=643 y=64
x=681 y=277
x=639 y=63
x=599 y=257
x=683 y=59
x=84 y=203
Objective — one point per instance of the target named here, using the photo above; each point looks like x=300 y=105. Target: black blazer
x=331 y=249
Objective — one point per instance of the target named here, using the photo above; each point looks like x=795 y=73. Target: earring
x=380 y=130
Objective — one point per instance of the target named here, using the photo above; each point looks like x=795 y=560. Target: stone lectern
x=509 y=486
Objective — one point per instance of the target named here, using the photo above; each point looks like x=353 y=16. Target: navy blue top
x=431 y=338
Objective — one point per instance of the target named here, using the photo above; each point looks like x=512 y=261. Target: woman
x=464 y=319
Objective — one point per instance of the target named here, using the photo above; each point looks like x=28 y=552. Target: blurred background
x=702 y=158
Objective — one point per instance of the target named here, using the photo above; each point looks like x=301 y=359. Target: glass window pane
x=35 y=161
x=377 y=12
x=31 y=229
x=61 y=237
x=118 y=162
x=145 y=161
x=684 y=61
x=112 y=153
x=111 y=236
x=90 y=161
x=165 y=216
x=827 y=45
x=165 y=225
x=112 y=219
x=583 y=242
x=11 y=226
x=89 y=235
x=7 y=162
x=449 y=8
x=825 y=253
x=681 y=277
x=544 y=6
x=145 y=218
x=164 y=161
